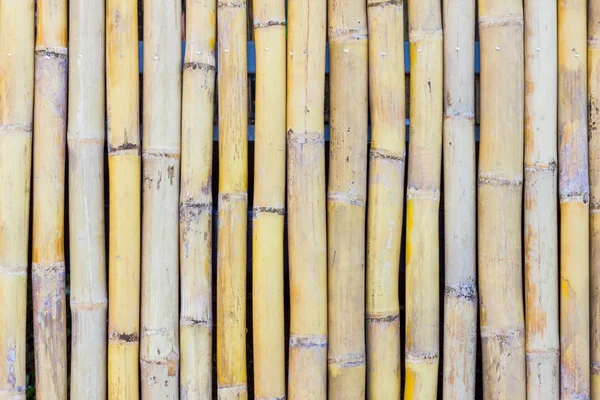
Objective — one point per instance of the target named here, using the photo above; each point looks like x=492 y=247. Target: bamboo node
x=124 y=148
x=422 y=357
x=385 y=155
x=51 y=52
x=268 y=210
x=450 y=113
x=384 y=319
x=234 y=387
x=501 y=334
x=309 y=341
x=350 y=34
x=496 y=180
x=194 y=65
x=160 y=154
x=16 y=129
x=231 y=4
x=595 y=368
x=502 y=20
x=304 y=137
x=386 y=3
x=464 y=291
x=595 y=206
x=116 y=337
x=232 y=197
x=187 y=321
x=345 y=198
x=577 y=197
x=347 y=361
x=267 y=24
x=38 y=268
x=414 y=193
x=14 y=391
x=13 y=269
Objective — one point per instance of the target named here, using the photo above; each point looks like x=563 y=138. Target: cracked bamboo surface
x=16 y=119
x=48 y=253
x=196 y=207
x=159 y=350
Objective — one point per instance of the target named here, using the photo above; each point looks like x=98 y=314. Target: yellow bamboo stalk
x=574 y=191
x=161 y=148
x=85 y=138
x=500 y=198
x=386 y=196
x=48 y=269
x=307 y=233
x=16 y=118
x=269 y=200
x=195 y=226
x=541 y=206
x=460 y=293
x=233 y=200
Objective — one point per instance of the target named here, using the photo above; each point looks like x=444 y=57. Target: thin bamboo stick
x=161 y=147
x=307 y=233
x=386 y=196
x=541 y=206
x=48 y=269
x=195 y=225
x=85 y=138
x=16 y=118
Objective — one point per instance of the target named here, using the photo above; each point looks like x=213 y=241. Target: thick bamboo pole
x=233 y=200
x=460 y=293
x=386 y=196
x=269 y=200
x=307 y=233
x=500 y=198
x=541 y=205
x=159 y=350
x=16 y=118
x=574 y=191
x=196 y=206
x=85 y=138
x=48 y=269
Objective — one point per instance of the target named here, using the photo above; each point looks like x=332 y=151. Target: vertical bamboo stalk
x=161 y=147
x=233 y=200
x=500 y=198
x=48 y=269
x=346 y=197
x=16 y=118
x=460 y=293
x=307 y=232
x=386 y=196
x=541 y=206
x=85 y=138
x=574 y=191
x=196 y=206
x=269 y=200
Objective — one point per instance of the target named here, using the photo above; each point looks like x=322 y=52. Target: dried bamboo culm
x=460 y=292
x=386 y=197
x=161 y=147
x=307 y=231
x=85 y=139
x=49 y=145
x=16 y=119
x=196 y=205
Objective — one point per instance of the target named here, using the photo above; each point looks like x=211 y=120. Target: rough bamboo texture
x=196 y=205
x=307 y=223
x=16 y=119
x=460 y=291
x=541 y=205
x=269 y=200
x=386 y=197
x=49 y=146
x=500 y=199
x=159 y=351
x=233 y=200
x=85 y=139
x=574 y=193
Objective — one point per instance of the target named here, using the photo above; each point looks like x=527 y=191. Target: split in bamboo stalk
x=195 y=229
x=233 y=200
x=541 y=205
x=574 y=191
x=16 y=118
x=460 y=293
x=48 y=269
x=307 y=233
x=386 y=197
x=500 y=198
x=85 y=140
x=161 y=148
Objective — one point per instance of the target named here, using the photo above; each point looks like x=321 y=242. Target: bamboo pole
x=500 y=198
x=541 y=206
x=460 y=293
x=386 y=197
x=574 y=191
x=48 y=268
x=161 y=147
x=124 y=168
x=307 y=233
x=269 y=200
x=85 y=139
x=195 y=225
x=346 y=196
x=233 y=200
x=16 y=118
